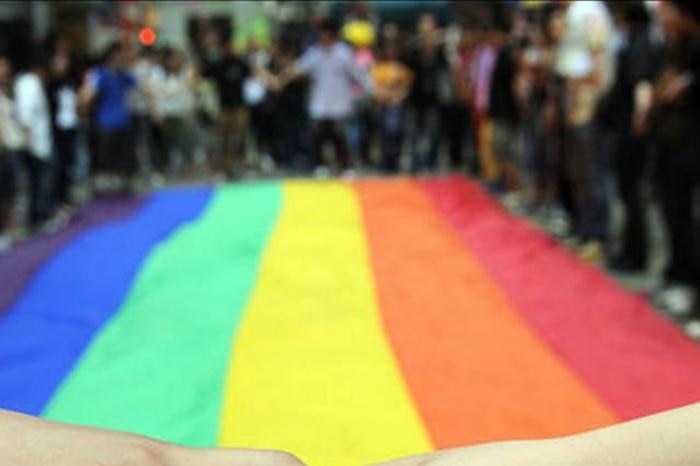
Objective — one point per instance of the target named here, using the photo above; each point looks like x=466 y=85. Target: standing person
x=63 y=98
x=484 y=61
x=542 y=123
x=260 y=106
x=462 y=75
x=431 y=73
x=585 y=59
x=632 y=98
x=107 y=86
x=503 y=107
x=330 y=65
x=290 y=144
x=228 y=71
x=676 y=124
x=149 y=73
x=392 y=80
x=34 y=116
x=12 y=142
x=175 y=109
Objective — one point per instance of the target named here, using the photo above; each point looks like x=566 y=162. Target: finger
x=234 y=457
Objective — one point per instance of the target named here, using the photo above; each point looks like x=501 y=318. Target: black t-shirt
x=228 y=74
x=429 y=69
x=502 y=103
x=637 y=61
x=679 y=122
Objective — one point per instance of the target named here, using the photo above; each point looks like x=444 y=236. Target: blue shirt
x=112 y=87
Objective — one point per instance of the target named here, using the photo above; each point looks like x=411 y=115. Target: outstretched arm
x=28 y=441
x=667 y=439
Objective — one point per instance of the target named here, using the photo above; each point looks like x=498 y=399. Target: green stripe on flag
x=158 y=368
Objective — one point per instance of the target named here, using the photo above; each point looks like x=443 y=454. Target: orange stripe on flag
x=475 y=369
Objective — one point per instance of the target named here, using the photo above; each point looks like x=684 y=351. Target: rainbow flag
x=346 y=322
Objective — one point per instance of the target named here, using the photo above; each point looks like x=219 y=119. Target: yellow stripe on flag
x=312 y=371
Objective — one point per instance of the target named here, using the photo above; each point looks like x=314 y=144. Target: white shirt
x=175 y=96
x=147 y=74
x=332 y=71
x=589 y=27
x=11 y=134
x=33 y=113
x=66 y=108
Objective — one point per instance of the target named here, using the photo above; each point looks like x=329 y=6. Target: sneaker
x=322 y=172
x=692 y=328
x=677 y=300
x=267 y=164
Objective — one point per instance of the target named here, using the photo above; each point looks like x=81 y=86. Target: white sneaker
x=692 y=328
x=676 y=300
x=322 y=172
x=267 y=164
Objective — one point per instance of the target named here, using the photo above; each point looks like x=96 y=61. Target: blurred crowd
x=559 y=110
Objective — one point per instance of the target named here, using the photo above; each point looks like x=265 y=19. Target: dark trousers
x=65 y=150
x=677 y=185
x=333 y=131
x=461 y=137
x=115 y=153
x=177 y=137
x=587 y=159
x=8 y=177
x=391 y=132
x=426 y=138
x=39 y=173
x=630 y=166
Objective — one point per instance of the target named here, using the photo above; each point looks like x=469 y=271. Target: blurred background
x=580 y=116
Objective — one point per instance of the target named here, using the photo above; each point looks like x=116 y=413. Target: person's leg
x=240 y=131
x=225 y=135
x=66 y=148
x=8 y=177
x=471 y=143
x=368 y=124
x=418 y=151
x=127 y=154
x=489 y=166
x=171 y=135
x=434 y=137
x=62 y=168
x=676 y=196
x=392 y=123
x=320 y=132
x=630 y=163
x=338 y=136
x=457 y=128
x=40 y=198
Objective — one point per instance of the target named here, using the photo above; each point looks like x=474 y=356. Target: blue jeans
x=426 y=139
x=391 y=131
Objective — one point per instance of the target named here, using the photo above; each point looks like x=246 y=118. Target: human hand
x=27 y=441
x=676 y=88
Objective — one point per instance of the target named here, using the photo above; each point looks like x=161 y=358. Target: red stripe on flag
x=636 y=360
